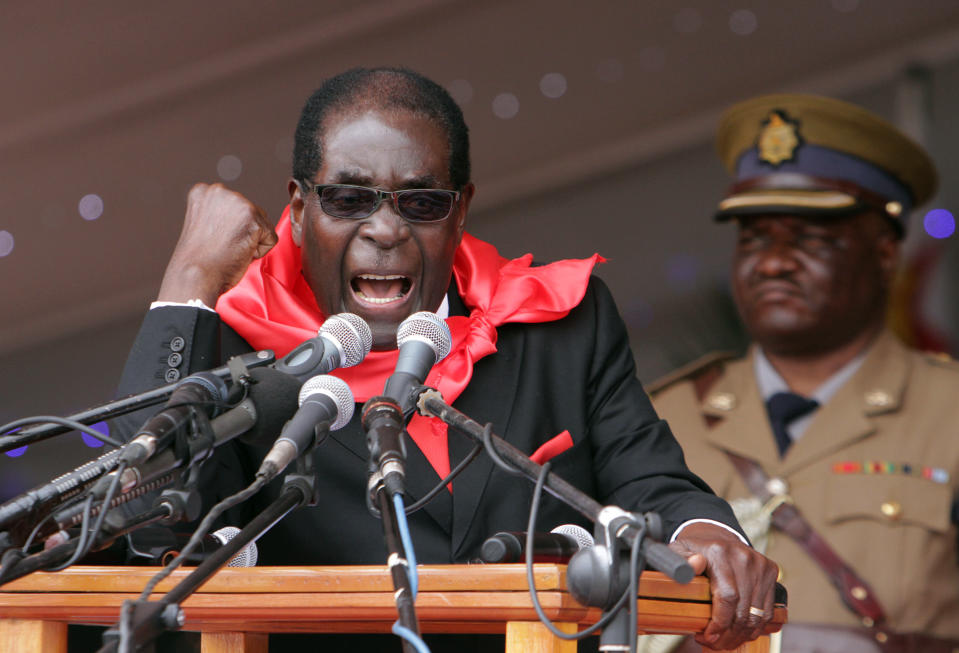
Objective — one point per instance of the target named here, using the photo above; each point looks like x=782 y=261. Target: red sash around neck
x=274 y=308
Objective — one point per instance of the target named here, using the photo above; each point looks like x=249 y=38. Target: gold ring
x=757 y=612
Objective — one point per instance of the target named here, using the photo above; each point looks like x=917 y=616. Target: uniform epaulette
x=690 y=371
x=941 y=359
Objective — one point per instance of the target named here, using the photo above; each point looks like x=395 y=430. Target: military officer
x=837 y=445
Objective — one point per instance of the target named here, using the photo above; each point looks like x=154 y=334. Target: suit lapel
x=743 y=426
x=488 y=399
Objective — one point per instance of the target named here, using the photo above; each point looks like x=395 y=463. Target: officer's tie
x=783 y=408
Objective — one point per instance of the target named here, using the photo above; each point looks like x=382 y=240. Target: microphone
x=15 y=512
x=212 y=542
x=203 y=388
x=326 y=404
x=423 y=340
x=157 y=546
x=343 y=340
x=270 y=402
x=558 y=545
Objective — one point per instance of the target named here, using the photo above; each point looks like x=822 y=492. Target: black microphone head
x=502 y=547
x=428 y=328
x=351 y=335
x=337 y=390
x=274 y=397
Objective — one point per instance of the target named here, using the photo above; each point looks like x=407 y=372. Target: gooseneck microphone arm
x=121 y=406
x=618 y=522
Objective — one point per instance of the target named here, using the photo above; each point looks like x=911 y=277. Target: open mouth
x=381 y=288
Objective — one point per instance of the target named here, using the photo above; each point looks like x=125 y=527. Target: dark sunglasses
x=358 y=202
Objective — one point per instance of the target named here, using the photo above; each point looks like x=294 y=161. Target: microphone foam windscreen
x=275 y=397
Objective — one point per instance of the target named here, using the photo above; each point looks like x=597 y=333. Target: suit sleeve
x=174 y=342
x=638 y=464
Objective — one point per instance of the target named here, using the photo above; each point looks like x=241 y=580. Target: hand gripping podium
x=236 y=609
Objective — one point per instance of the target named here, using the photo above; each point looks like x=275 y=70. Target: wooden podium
x=236 y=609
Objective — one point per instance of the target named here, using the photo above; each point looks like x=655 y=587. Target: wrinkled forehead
x=384 y=144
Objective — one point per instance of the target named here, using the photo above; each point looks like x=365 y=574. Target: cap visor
x=799 y=202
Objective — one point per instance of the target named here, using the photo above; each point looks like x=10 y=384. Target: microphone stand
x=150 y=619
x=383 y=422
x=123 y=406
x=396 y=559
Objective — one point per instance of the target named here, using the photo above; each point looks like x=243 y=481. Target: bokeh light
x=90 y=441
x=461 y=91
x=939 y=223
x=743 y=22
x=505 y=106
x=16 y=453
x=229 y=167
x=553 y=85
x=6 y=243
x=90 y=207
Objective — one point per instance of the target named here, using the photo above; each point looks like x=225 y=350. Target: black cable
x=531 y=580
x=200 y=531
x=491 y=450
x=460 y=466
x=62 y=421
x=636 y=564
x=426 y=498
x=87 y=538
x=36 y=529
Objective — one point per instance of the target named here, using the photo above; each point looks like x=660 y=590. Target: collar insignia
x=778 y=138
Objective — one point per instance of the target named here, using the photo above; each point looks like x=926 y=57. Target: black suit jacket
x=574 y=374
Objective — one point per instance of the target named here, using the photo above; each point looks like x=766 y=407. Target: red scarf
x=274 y=308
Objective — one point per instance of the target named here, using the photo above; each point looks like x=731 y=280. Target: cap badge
x=778 y=138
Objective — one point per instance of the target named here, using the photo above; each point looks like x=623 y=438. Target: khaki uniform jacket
x=893 y=528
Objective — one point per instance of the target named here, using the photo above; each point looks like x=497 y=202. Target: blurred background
x=591 y=127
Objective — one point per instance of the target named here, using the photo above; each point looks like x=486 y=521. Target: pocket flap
x=889 y=498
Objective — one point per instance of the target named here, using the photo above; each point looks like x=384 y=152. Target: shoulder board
x=940 y=359
x=690 y=371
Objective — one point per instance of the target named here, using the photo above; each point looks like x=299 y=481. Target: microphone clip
x=303 y=478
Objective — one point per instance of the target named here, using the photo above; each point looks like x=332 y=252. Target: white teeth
x=377 y=300
x=381 y=277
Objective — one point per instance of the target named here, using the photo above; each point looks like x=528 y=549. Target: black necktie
x=783 y=408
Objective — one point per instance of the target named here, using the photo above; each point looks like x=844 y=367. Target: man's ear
x=466 y=196
x=296 y=211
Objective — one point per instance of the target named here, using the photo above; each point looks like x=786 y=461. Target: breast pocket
x=890 y=499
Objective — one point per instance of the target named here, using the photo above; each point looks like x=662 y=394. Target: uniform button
x=858 y=592
x=722 y=401
x=177 y=344
x=891 y=509
x=777 y=486
x=172 y=375
x=174 y=359
x=878 y=399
